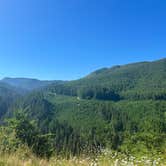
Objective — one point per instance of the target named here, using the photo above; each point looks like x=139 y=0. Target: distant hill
x=137 y=80
x=7 y=90
x=122 y=108
x=137 y=75
x=27 y=83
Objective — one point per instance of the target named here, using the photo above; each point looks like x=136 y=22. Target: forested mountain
x=145 y=80
x=122 y=108
x=27 y=83
x=8 y=95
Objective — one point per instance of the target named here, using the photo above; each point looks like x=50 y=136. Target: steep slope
x=87 y=126
x=144 y=75
x=8 y=95
x=67 y=118
x=134 y=81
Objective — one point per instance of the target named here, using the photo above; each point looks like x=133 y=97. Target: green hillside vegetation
x=137 y=81
x=8 y=95
x=120 y=109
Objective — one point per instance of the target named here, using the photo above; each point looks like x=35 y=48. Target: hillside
x=8 y=95
x=120 y=109
x=145 y=80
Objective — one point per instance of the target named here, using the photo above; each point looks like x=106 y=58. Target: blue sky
x=62 y=39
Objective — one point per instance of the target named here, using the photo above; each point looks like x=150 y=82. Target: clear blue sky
x=67 y=39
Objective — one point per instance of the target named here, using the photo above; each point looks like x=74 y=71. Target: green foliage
x=8 y=141
x=137 y=81
x=122 y=108
x=8 y=95
x=27 y=132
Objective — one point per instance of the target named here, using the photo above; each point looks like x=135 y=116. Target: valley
x=121 y=110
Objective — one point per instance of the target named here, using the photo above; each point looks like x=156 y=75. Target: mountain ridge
x=28 y=84
x=120 y=80
x=123 y=81
x=122 y=109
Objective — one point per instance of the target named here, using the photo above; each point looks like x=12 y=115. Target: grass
x=24 y=157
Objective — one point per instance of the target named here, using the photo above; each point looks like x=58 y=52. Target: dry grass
x=14 y=160
x=25 y=158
